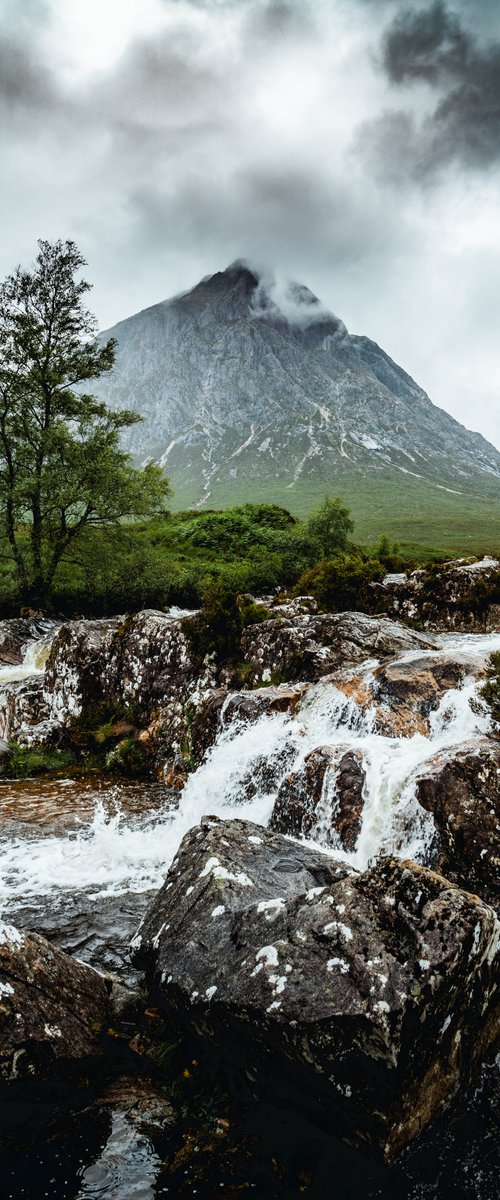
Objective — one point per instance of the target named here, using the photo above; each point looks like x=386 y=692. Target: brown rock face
x=367 y=999
x=325 y=798
x=461 y=788
x=420 y=682
x=51 y=1006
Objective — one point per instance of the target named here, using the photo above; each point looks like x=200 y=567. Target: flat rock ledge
x=52 y=1007
x=366 y=999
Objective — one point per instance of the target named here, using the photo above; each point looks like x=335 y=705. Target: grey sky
x=351 y=144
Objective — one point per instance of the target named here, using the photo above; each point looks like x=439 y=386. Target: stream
x=81 y=858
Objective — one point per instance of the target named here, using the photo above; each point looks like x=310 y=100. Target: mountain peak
x=250 y=386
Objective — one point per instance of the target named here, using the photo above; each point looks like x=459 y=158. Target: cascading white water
x=33 y=662
x=240 y=778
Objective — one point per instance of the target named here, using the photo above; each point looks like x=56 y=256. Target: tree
x=61 y=467
x=328 y=528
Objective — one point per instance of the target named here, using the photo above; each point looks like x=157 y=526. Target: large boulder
x=461 y=788
x=52 y=1007
x=463 y=594
x=368 y=999
x=309 y=647
x=142 y=663
x=324 y=798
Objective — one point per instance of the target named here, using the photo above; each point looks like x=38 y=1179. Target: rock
x=221 y=708
x=309 y=647
x=463 y=595
x=15 y=634
x=400 y=695
x=461 y=788
x=418 y=683
x=142 y=663
x=25 y=714
x=52 y=1007
x=367 y=998
x=323 y=799
x=206 y=722
x=76 y=667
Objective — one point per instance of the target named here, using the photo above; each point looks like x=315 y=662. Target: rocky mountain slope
x=253 y=390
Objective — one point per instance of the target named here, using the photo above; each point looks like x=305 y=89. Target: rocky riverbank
x=348 y=978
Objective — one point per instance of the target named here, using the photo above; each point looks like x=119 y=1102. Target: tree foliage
x=328 y=528
x=61 y=466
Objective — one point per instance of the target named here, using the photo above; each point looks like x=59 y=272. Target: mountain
x=252 y=390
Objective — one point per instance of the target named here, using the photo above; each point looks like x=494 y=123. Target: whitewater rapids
x=112 y=852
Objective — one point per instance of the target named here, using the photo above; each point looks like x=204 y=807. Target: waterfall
x=240 y=777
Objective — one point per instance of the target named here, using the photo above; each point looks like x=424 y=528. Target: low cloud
x=433 y=46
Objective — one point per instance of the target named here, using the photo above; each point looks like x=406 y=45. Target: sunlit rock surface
x=373 y=995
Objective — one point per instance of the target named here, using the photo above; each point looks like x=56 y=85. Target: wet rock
x=461 y=788
x=15 y=634
x=52 y=1007
x=76 y=667
x=463 y=595
x=369 y=998
x=324 y=799
x=221 y=708
x=25 y=715
x=309 y=647
x=206 y=722
x=418 y=683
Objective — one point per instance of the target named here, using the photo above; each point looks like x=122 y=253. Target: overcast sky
x=354 y=145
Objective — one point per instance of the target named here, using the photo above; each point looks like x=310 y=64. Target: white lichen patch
x=8 y=933
x=52 y=1031
x=271 y=908
x=156 y=940
x=6 y=989
x=219 y=910
x=267 y=956
x=210 y=991
x=337 y=964
x=274 y=1005
x=214 y=867
x=334 y=926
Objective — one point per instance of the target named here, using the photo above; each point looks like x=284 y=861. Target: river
x=80 y=858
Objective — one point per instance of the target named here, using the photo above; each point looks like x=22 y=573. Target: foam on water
x=240 y=778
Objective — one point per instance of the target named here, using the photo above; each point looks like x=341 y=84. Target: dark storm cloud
x=24 y=81
x=425 y=45
x=433 y=46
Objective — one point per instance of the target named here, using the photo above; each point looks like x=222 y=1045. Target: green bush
x=24 y=762
x=341 y=584
x=216 y=629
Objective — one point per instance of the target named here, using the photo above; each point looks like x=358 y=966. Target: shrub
x=24 y=762
x=341 y=584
